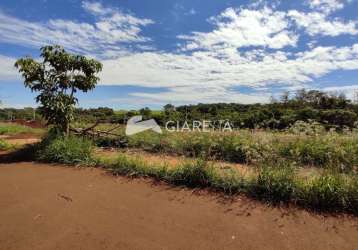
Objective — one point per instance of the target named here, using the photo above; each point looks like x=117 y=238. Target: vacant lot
x=45 y=206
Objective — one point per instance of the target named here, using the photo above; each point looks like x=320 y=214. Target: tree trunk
x=67 y=129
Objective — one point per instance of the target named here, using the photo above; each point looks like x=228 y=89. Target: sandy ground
x=56 y=207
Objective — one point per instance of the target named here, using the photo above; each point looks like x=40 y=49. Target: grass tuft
x=68 y=150
x=5 y=145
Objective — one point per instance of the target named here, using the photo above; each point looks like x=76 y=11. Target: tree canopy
x=57 y=78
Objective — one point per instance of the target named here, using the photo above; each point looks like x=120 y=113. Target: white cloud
x=350 y=91
x=113 y=31
x=246 y=47
x=7 y=69
x=244 y=28
x=342 y=88
x=326 y=6
x=316 y=23
x=96 y=8
x=194 y=95
x=209 y=77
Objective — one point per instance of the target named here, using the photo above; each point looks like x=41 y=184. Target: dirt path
x=54 y=207
x=21 y=139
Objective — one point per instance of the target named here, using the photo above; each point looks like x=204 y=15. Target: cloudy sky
x=189 y=51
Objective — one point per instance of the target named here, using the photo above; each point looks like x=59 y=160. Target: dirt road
x=54 y=207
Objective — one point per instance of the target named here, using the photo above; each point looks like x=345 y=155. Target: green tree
x=57 y=78
x=168 y=108
x=145 y=112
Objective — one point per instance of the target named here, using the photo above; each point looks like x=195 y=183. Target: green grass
x=5 y=145
x=330 y=192
x=325 y=150
x=13 y=129
x=67 y=150
x=329 y=150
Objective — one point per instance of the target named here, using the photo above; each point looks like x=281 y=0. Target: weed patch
x=67 y=150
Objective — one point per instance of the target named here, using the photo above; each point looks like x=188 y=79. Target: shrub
x=230 y=182
x=197 y=174
x=308 y=128
x=67 y=150
x=111 y=142
x=330 y=192
x=4 y=145
x=339 y=117
x=274 y=184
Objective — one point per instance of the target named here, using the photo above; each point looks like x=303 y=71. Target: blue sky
x=190 y=51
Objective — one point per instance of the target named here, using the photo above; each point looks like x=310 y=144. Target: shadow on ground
x=25 y=153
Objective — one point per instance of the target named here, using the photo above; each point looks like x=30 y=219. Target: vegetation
x=4 y=145
x=12 y=129
x=326 y=150
x=68 y=150
x=307 y=129
x=26 y=114
x=328 y=110
x=330 y=191
x=57 y=78
x=274 y=181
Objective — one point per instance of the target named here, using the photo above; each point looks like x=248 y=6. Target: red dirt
x=174 y=160
x=54 y=207
x=21 y=139
x=167 y=159
x=32 y=124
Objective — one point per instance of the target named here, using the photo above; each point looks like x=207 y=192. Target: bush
x=324 y=151
x=274 y=184
x=230 y=182
x=111 y=142
x=67 y=150
x=339 y=117
x=308 y=128
x=331 y=192
x=197 y=174
x=4 y=145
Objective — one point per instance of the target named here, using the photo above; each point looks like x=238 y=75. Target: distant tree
x=285 y=97
x=301 y=95
x=169 y=108
x=131 y=113
x=146 y=112
x=339 y=117
x=57 y=78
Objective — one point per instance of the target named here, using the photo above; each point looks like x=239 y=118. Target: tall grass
x=328 y=150
x=275 y=184
x=333 y=192
x=67 y=150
